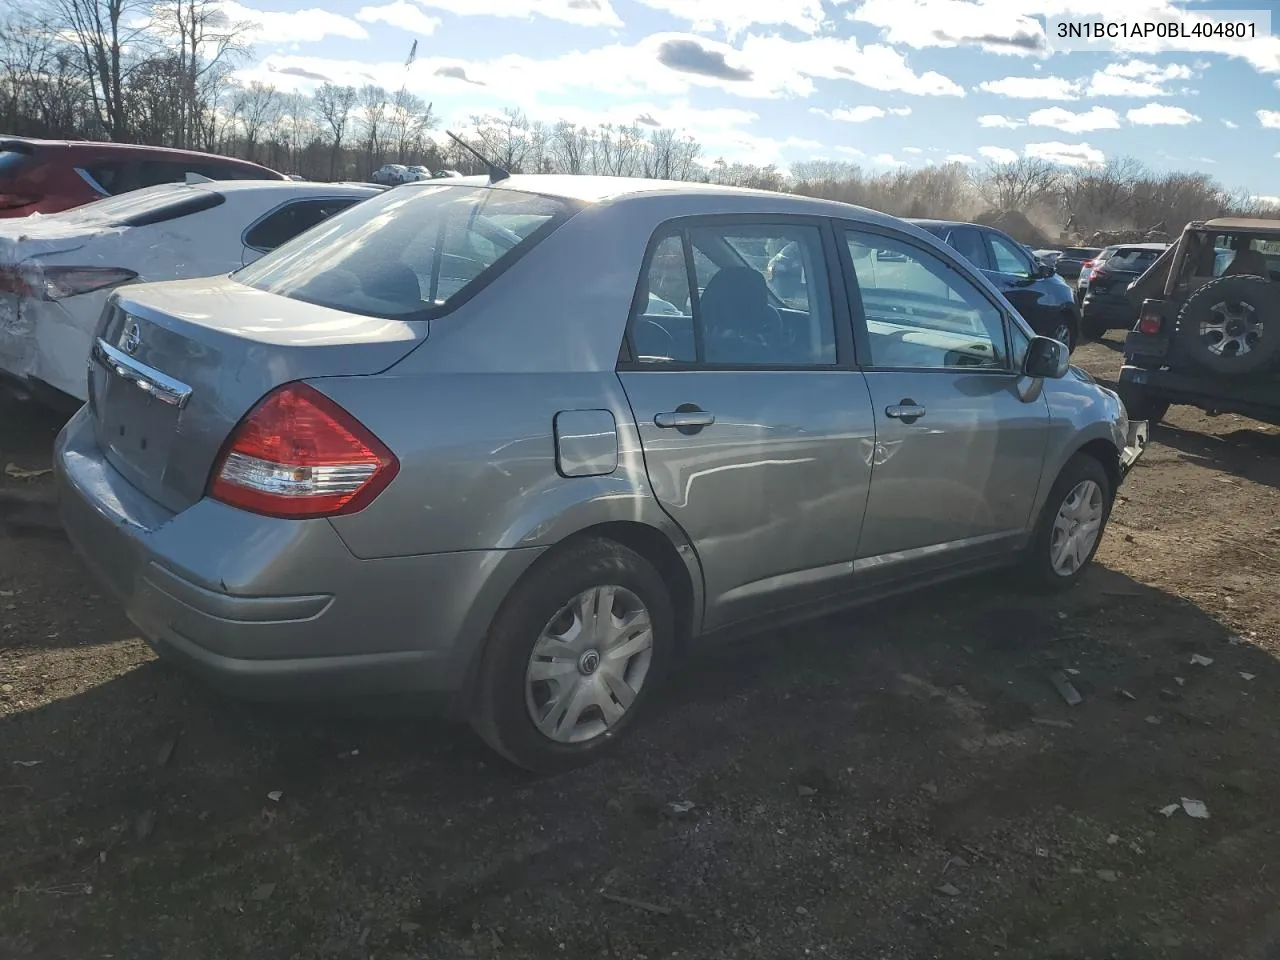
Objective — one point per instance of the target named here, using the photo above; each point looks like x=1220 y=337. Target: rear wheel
x=1231 y=325
x=573 y=656
x=1093 y=329
x=1071 y=525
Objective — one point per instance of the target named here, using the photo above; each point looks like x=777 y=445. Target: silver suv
x=520 y=444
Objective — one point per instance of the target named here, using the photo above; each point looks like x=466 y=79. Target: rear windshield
x=1080 y=253
x=1133 y=260
x=409 y=253
x=147 y=206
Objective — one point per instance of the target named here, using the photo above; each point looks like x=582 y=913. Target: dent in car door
x=760 y=453
x=960 y=440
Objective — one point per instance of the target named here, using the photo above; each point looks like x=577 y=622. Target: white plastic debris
x=1170 y=810
x=1195 y=809
x=275 y=795
x=1201 y=661
x=1246 y=676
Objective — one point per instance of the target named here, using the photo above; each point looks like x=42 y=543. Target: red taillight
x=298 y=454
x=1086 y=264
x=1150 y=323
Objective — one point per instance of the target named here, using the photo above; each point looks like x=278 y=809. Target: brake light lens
x=57 y=283
x=1150 y=323
x=298 y=454
x=1086 y=265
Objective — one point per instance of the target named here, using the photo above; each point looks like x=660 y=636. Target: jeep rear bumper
x=1258 y=399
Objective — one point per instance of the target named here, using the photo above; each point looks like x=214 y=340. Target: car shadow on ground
x=1249 y=454
x=808 y=788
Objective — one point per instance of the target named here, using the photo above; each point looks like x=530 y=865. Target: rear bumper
x=275 y=609
x=1135 y=445
x=45 y=344
x=1116 y=313
x=1259 y=399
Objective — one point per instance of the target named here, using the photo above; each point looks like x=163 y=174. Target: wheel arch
x=1105 y=452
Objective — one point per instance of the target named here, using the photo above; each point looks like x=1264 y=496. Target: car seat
x=738 y=321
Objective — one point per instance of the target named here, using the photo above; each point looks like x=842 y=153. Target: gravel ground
x=899 y=781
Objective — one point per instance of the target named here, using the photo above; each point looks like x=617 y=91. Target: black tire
x=1141 y=405
x=1093 y=329
x=1037 y=564
x=1244 y=297
x=499 y=713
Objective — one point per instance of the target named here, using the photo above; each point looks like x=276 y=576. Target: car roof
x=1140 y=246
x=595 y=189
x=106 y=146
x=1242 y=224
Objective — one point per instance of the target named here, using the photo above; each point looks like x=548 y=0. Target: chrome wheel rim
x=1232 y=329
x=1076 y=528
x=1063 y=334
x=589 y=664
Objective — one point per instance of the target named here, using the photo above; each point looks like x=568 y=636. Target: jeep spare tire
x=1231 y=325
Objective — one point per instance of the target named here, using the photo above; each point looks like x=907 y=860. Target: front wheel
x=1067 y=332
x=1072 y=524
x=573 y=656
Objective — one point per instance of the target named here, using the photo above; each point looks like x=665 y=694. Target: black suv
x=1208 y=330
x=1037 y=292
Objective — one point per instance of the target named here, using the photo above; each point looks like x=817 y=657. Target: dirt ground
x=901 y=781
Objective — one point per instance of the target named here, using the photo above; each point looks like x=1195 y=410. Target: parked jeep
x=1208 y=330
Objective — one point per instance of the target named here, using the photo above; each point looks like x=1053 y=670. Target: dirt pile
x=1016 y=225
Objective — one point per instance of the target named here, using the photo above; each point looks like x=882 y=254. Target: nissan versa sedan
x=516 y=445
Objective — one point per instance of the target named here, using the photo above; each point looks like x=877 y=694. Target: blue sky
x=884 y=83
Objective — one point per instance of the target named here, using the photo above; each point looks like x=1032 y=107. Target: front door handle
x=908 y=411
x=684 y=419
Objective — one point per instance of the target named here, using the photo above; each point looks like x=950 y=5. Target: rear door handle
x=908 y=411
x=684 y=419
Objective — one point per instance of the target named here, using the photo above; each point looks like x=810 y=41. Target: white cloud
x=1231 y=124
x=831 y=58
x=1136 y=78
x=1161 y=114
x=300 y=26
x=401 y=14
x=1059 y=118
x=1066 y=154
x=959 y=158
x=1033 y=88
x=996 y=120
x=887 y=160
x=912 y=150
x=863 y=113
x=1269 y=118
x=995 y=27
x=999 y=154
x=735 y=16
x=855 y=152
x=585 y=13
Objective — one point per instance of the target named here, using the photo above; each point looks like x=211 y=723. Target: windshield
x=409 y=253
x=1132 y=260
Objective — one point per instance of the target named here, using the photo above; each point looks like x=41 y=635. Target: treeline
x=162 y=72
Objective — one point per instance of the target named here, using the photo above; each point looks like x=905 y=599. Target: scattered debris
x=1061 y=615
x=1180 y=681
x=1154 y=720
x=958 y=862
x=410 y=927
x=1195 y=809
x=1201 y=661
x=1125 y=694
x=27 y=763
x=1046 y=722
x=275 y=795
x=948 y=889
x=1108 y=876
x=638 y=904
x=1246 y=676
x=22 y=473
x=1170 y=810
x=802 y=911
x=1064 y=687
x=1113 y=839
x=1073 y=671
x=805 y=791
x=930 y=788
x=166 y=750
x=263 y=892
x=145 y=824
x=1236 y=640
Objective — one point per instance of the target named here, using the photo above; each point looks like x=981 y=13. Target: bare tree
x=510 y=140
x=1019 y=184
x=207 y=44
x=333 y=105
x=42 y=90
x=569 y=146
x=109 y=43
x=372 y=113
x=258 y=107
x=407 y=123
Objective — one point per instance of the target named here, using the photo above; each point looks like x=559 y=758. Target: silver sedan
x=515 y=446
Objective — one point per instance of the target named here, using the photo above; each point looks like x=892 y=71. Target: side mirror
x=1044 y=270
x=1047 y=359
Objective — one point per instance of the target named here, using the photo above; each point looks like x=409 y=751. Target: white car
x=57 y=271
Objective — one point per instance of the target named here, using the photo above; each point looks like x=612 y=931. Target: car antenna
x=496 y=173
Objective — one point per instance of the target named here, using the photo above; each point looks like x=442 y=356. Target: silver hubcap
x=589 y=663
x=1232 y=330
x=1063 y=334
x=1076 y=528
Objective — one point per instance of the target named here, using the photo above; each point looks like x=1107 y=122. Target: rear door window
x=968 y=242
x=408 y=254
x=292 y=219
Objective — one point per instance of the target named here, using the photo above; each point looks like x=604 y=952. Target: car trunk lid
x=177 y=365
